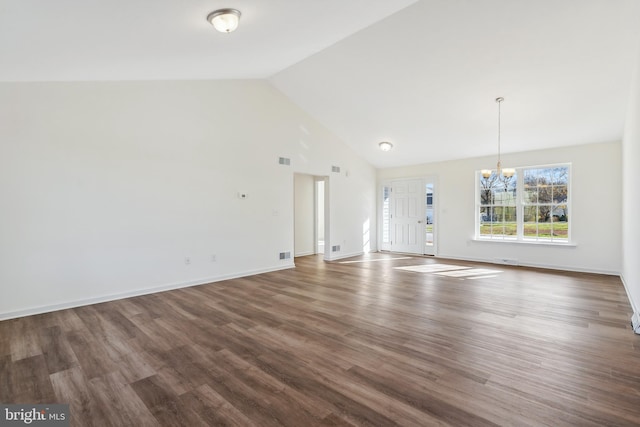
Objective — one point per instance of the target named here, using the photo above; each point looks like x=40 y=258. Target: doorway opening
x=310 y=214
x=319 y=215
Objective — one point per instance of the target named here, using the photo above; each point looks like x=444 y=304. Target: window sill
x=525 y=242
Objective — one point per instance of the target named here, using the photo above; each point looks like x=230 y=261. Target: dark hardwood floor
x=356 y=343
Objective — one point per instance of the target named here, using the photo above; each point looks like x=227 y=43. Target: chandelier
x=506 y=172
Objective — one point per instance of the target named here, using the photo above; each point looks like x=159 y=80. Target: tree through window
x=498 y=213
x=532 y=205
x=545 y=199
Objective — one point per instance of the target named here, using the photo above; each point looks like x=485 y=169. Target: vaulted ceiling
x=422 y=74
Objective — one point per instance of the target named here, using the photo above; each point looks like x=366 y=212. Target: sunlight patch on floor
x=371 y=260
x=431 y=268
x=483 y=277
x=469 y=272
x=448 y=270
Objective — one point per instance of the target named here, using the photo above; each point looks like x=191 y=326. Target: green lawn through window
x=544 y=229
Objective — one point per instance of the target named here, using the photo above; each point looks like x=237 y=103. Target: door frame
x=433 y=179
x=327 y=231
x=316 y=220
x=434 y=201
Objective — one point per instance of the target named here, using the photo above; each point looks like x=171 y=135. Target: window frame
x=520 y=206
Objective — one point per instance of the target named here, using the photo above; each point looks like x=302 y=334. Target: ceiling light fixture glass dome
x=385 y=145
x=224 y=20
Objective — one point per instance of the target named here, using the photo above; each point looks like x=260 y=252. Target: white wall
x=631 y=196
x=107 y=187
x=304 y=214
x=595 y=214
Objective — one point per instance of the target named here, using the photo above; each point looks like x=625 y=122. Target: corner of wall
x=631 y=199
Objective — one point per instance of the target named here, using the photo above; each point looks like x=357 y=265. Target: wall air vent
x=285 y=255
x=335 y=169
x=284 y=161
x=335 y=248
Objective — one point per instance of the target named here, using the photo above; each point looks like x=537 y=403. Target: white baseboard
x=534 y=265
x=336 y=256
x=137 y=292
x=306 y=253
x=635 y=317
x=635 y=323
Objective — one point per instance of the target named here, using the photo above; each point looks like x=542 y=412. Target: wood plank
x=27 y=381
x=56 y=349
x=340 y=344
x=118 y=398
x=72 y=387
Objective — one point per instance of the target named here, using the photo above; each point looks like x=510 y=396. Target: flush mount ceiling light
x=224 y=20
x=506 y=172
x=385 y=145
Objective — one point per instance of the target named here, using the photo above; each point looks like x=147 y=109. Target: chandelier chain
x=503 y=174
x=499 y=101
x=498 y=130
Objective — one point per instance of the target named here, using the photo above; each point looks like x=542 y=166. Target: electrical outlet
x=187 y=260
x=214 y=258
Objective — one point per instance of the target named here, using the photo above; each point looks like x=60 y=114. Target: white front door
x=407 y=216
